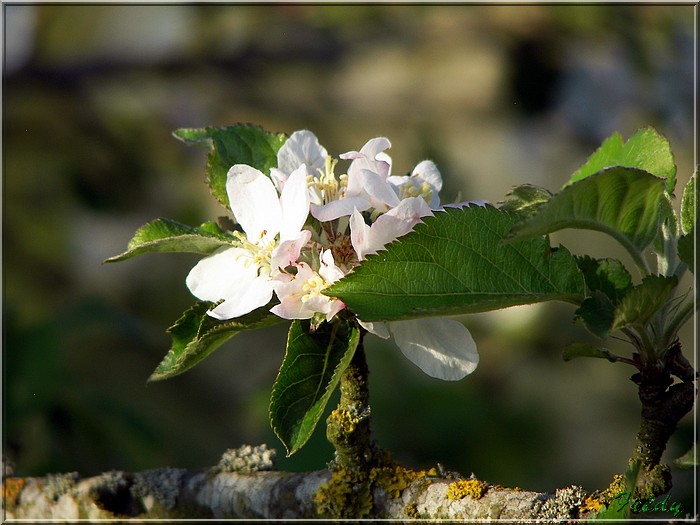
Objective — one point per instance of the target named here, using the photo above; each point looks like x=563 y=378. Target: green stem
x=678 y=320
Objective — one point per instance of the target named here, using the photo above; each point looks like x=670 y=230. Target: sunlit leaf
x=311 y=370
x=641 y=302
x=525 y=200
x=237 y=144
x=646 y=150
x=689 y=459
x=165 y=235
x=196 y=335
x=621 y=202
x=455 y=263
x=690 y=196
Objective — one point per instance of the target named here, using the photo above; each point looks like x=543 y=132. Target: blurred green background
x=497 y=95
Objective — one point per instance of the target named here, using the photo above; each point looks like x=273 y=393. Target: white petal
x=427 y=171
x=254 y=202
x=442 y=348
x=287 y=252
x=360 y=235
x=328 y=270
x=225 y=275
x=294 y=202
x=340 y=208
x=379 y=329
x=379 y=190
x=302 y=147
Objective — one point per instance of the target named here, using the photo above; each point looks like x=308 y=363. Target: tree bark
x=255 y=491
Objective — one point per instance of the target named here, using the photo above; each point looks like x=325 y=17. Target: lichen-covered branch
x=244 y=485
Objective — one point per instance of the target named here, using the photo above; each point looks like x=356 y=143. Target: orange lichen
x=11 y=488
x=466 y=487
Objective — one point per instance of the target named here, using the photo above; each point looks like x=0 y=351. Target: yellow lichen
x=466 y=487
x=394 y=480
x=345 y=421
x=11 y=488
x=343 y=496
x=591 y=503
x=617 y=486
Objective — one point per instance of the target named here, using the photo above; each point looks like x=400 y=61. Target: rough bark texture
x=178 y=493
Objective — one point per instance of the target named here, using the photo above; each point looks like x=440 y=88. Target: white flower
x=425 y=181
x=300 y=295
x=240 y=277
x=442 y=348
x=302 y=147
x=367 y=175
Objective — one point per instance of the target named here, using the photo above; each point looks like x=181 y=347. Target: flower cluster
x=304 y=227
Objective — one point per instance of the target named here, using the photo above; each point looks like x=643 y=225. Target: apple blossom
x=238 y=278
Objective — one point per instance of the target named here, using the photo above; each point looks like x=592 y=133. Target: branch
x=255 y=491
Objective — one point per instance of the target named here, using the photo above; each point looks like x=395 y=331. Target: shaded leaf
x=641 y=302
x=646 y=150
x=689 y=459
x=608 y=276
x=687 y=251
x=196 y=335
x=575 y=350
x=238 y=144
x=455 y=263
x=165 y=235
x=309 y=374
x=621 y=202
x=597 y=313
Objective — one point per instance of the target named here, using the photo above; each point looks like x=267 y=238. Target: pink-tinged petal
x=379 y=329
x=225 y=275
x=302 y=147
x=278 y=178
x=398 y=221
x=294 y=202
x=360 y=235
x=287 y=252
x=370 y=157
x=254 y=202
x=340 y=208
x=442 y=348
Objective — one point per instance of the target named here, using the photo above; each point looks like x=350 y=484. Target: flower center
x=412 y=189
x=327 y=187
x=258 y=254
x=312 y=287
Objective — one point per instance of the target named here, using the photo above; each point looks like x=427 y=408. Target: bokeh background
x=497 y=95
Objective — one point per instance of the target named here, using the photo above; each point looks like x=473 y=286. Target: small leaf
x=455 y=263
x=575 y=350
x=646 y=150
x=608 y=276
x=641 y=302
x=621 y=202
x=687 y=251
x=689 y=459
x=309 y=374
x=597 y=314
x=690 y=197
x=525 y=200
x=237 y=144
x=196 y=335
x=165 y=235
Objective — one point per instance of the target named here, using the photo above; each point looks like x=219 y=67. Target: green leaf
x=237 y=144
x=689 y=459
x=196 y=335
x=687 y=249
x=597 y=313
x=621 y=202
x=608 y=276
x=165 y=235
x=455 y=263
x=525 y=200
x=309 y=374
x=575 y=350
x=690 y=197
x=646 y=150
x=641 y=302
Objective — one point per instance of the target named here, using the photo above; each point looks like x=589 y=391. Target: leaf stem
x=683 y=314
